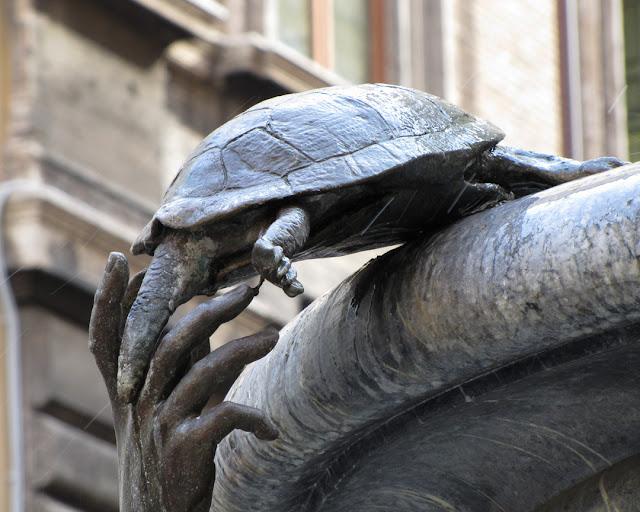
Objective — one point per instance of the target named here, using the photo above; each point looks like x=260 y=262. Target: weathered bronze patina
x=317 y=174
x=166 y=443
x=490 y=367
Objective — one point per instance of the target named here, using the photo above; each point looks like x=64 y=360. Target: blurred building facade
x=101 y=101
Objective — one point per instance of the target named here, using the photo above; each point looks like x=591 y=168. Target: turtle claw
x=290 y=284
x=271 y=263
x=284 y=269
x=294 y=289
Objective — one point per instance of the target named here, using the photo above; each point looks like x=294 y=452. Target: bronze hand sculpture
x=166 y=442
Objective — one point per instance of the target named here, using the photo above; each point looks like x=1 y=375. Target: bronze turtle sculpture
x=316 y=174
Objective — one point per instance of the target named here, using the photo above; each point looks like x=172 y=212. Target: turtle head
x=182 y=267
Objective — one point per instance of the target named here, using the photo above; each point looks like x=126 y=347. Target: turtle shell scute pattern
x=311 y=142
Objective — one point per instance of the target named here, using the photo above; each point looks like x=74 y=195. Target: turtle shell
x=310 y=143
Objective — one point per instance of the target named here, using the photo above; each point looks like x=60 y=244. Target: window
x=632 y=63
x=345 y=36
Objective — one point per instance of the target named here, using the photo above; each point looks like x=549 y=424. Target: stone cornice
x=193 y=16
x=220 y=55
x=50 y=230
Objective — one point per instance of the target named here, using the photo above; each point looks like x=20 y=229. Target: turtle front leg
x=273 y=250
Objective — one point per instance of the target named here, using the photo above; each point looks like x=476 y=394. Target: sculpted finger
x=218 y=422
x=189 y=333
x=205 y=378
x=200 y=351
x=106 y=318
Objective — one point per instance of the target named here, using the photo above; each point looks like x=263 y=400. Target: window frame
x=322 y=35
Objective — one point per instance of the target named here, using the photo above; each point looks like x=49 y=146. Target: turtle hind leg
x=596 y=165
x=526 y=172
x=272 y=251
x=475 y=197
